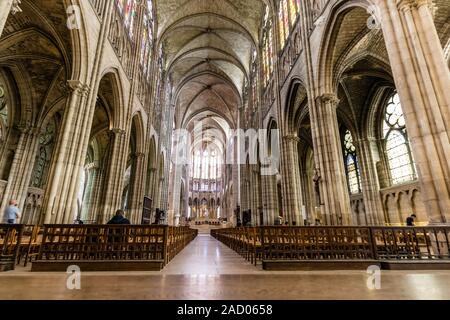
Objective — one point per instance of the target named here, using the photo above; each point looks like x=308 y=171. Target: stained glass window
x=267 y=56
x=351 y=164
x=127 y=9
x=285 y=18
x=147 y=41
x=281 y=27
x=206 y=165
x=398 y=152
x=288 y=11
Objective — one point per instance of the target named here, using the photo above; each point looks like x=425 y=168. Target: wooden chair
x=31 y=244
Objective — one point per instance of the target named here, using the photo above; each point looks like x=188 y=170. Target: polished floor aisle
x=208 y=256
x=207 y=269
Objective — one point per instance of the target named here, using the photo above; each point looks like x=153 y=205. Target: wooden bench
x=340 y=247
x=110 y=248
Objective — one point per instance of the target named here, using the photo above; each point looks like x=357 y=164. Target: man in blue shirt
x=12 y=212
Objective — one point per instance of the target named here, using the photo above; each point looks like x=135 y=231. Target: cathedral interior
x=223 y=123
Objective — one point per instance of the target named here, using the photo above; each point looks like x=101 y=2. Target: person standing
x=12 y=212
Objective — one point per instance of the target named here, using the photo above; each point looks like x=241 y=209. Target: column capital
x=26 y=128
x=77 y=87
x=291 y=138
x=139 y=155
x=406 y=5
x=328 y=98
x=117 y=131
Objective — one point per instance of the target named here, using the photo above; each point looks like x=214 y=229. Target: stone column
x=175 y=186
x=60 y=206
x=137 y=189
x=93 y=174
x=270 y=199
x=235 y=201
x=309 y=202
x=96 y=193
x=151 y=183
x=245 y=195
x=370 y=186
x=329 y=161
x=292 y=200
x=159 y=193
x=21 y=168
x=423 y=81
x=111 y=199
x=254 y=187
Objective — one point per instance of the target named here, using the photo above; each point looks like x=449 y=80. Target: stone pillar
x=370 y=185
x=328 y=154
x=175 y=186
x=235 y=201
x=137 y=189
x=309 y=202
x=96 y=194
x=256 y=198
x=292 y=200
x=151 y=184
x=93 y=173
x=60 y=206
x=159 y=193
x=21 y=168
x=270 y=199
x=245 y=195
x=423 y=81
x=115 y=172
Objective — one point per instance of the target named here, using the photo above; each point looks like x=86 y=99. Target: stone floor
x=207 y=269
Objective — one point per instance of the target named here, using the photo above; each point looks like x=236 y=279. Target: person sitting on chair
x=410 y=220
x=119 y=218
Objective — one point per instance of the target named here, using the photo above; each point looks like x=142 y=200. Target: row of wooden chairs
x=178 y=239
x=30 y=244
x=22 y=241
x=246 y=241
x=80 y=242
x=337 y=243
x=25 y=243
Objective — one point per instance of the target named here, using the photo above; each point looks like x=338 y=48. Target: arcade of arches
x=94 y=94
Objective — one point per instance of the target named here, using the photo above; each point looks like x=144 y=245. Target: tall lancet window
x=127 y=9
x=398 y=151
x=351 y=164
x=206 y=164
x=267 y=52
x=288 y=11
x=147 y=41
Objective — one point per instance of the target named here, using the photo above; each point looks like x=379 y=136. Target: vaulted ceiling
x=209 y=46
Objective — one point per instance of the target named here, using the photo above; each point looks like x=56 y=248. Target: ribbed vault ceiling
x=209 y=46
